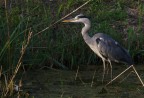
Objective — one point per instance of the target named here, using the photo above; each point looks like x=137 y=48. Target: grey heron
x=104 y=46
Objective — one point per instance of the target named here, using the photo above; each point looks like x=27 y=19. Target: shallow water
x=54 y=83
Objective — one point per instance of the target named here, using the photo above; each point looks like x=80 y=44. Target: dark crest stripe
x=82 y=17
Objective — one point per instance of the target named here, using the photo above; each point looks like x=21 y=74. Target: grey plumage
x=110 y=49
x=103 y=45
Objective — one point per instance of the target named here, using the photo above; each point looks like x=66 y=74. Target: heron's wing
x=110 y=49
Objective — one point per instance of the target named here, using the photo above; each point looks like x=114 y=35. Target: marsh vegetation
x=29 y=51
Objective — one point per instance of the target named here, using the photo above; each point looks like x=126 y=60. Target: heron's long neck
x=85 y=32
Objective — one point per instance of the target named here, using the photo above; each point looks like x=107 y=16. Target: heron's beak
x=70 y=20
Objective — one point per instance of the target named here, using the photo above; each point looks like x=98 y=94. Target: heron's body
x=103 y=45
x=108 y=49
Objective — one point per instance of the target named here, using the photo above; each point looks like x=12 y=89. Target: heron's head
x=79 y=19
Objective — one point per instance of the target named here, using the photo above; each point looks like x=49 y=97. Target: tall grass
x=62 y=45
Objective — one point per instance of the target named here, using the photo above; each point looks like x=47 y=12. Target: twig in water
x=118 y=75
x=126 y=76
x=62 y=94
x=124 y=72
x=93 y=78
x=77 y=73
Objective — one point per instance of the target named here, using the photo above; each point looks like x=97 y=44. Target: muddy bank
x=54 y=83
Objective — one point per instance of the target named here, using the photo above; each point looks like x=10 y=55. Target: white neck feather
x=85 y=31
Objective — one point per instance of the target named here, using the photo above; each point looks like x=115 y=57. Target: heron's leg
x=124 y=72
x=111 y=68
x=107 y=68
x=103 y=69
x=119 y=75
